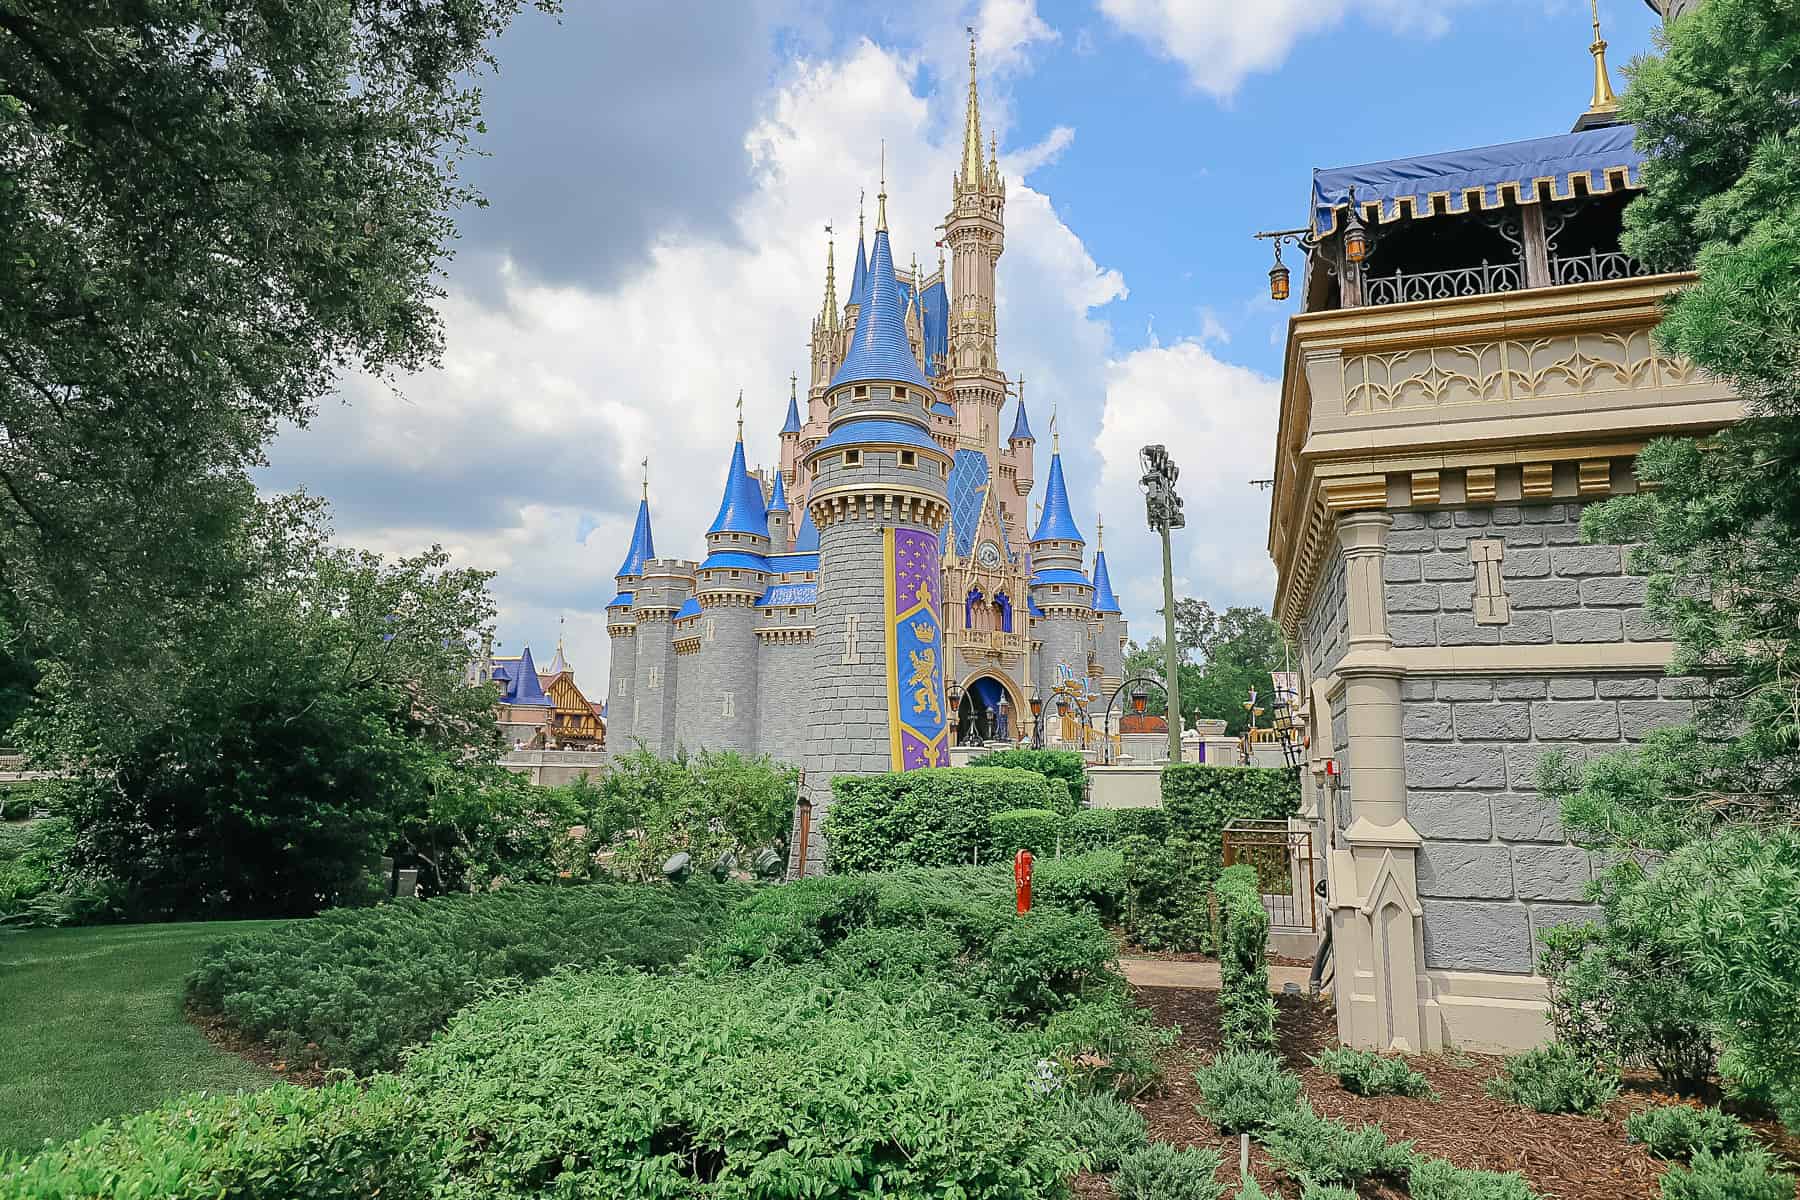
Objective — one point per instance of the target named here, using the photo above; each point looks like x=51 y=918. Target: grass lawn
x=91 y=1027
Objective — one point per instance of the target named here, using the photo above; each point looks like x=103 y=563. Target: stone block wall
x=1325 y=634
x=783 y=708
x=717 y=706
x=621 y=704
x=654 y=685
x=1063 y=639
x=1558 y=591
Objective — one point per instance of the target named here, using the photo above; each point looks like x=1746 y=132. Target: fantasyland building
x=885 y=565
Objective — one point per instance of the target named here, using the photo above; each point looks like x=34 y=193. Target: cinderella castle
x=875 y=599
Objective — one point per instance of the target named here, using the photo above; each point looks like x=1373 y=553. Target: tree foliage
x=1700 y=821
x=1236 y=650
x=210 y=209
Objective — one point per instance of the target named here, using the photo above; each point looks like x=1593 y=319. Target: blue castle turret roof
x=741 y=509
x=1104 y=600
x=522 y=686
x=778 y=498
x=1021 y=427
x=859 y=274
x=643 y=546
x=807 y=540
x=1058 y=521
x=879 y=349
x=792 y=424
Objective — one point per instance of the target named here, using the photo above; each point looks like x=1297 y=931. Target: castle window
x=909 y=458
x=859 y=390
x=793 y=612
x=900 y=393
x=853 y=458
x=734 y=574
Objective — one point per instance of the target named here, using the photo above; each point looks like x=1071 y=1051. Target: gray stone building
x=1445 y=421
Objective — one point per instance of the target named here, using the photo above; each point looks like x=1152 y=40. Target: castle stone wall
x=654 y=684
x=783 y=706
x=718 y=683
x=621 y=715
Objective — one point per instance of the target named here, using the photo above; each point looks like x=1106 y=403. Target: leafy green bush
x=1046 y=960
x=356 y=987
x=1435 y=1179
x=1152 y=823
x=1090 y=829
x=1246 y=1010
x=1369 y=1074
x=1170 y=880
x=794 y=923
x=1035 y=829
x=1739 y=1175
x=935 y=817
x=1092 y=882
x=633 y=1086
x=706 y=804
x=1104 y=1128
x=1326 y=1191
x=1066 y=765
x=1108 y=1042
x=896 y=953
x=340 y=1142
x=1242 y=1092
x=1677 y=1131
x=1327 y=1151
x=1554 y=1079
x=1161 y=1172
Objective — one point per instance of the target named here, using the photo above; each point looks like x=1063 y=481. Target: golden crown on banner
x=924 y=631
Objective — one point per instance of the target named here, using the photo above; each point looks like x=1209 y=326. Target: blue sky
x=659 y=175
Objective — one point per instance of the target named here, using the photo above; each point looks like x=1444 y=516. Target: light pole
x=1162 y=505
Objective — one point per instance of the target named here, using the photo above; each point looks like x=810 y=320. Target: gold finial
x=1605 y=101
x=993 y=150
x=862 y=194
x=1055 y=434
x=740 y=408
x=972 y=125
x=881 y=196
x=646 y=466
x=829 y=317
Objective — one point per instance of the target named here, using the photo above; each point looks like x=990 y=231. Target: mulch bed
x=1561 y=1157
x=226 y=1036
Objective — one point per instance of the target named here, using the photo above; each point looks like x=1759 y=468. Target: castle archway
x=982 y=692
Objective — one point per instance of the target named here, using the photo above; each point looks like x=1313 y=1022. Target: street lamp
x=1140 y=700
x=1278 y=278
x=1037 y=721
x=1356 y=237
x=954 y=695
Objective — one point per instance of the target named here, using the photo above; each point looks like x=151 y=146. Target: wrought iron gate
x=1283 y=858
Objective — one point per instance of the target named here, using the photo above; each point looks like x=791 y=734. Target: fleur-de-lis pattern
x=1509 y=370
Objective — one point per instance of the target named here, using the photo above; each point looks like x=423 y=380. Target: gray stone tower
x=621 y=626
x=719 y=651
x=1109 y=621
x=659 y=595
x=1060 y=588
x=779 y=539
x=878 y=469
x=975 y=230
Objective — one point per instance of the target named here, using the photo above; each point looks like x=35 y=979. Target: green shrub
x=935 y=817
x=1035 y=829
x=1326 y=1150
x=1090 y=829
x=1046 y=960
x=1152 y=823
x=1554 y=1079
x=1092 y=882
x=1108 y=1042
x=1104 y=1128
x=1435 y=1179
x=1677 y=1131
x=1161 y=1172
x=1065 y=765
x=339 y=1142
x=1246 y=1010
x=1369 y=1074
x=1170 y=880
x=1326 y=1191
x=1740 y=1175
x=356 y=987
x=895 y=953
x=1243 y=1092
x=633 y=1086
x=794 y=923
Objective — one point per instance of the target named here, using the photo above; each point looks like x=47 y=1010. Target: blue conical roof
x=643 y=546
x=1021 y=427
x=523 y=687
x=807 y=540
x=859 y=276
x=1104 y=600
x=778 y=498
x=879 y=349
x=741 y=509
x=792 y=424
x=1058 y=521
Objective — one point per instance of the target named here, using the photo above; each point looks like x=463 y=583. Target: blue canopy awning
x=1604 y=159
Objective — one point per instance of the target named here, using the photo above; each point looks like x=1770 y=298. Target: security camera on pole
x=1163 y=507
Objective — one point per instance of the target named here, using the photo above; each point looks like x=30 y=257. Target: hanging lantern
x=1139 y=701
x=1037 y=706
x=1356 y=238
x=1278 y=277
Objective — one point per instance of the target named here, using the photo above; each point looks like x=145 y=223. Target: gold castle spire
x=829 y=317
x=881 y=196
x=1605 y=102
x=971 y=165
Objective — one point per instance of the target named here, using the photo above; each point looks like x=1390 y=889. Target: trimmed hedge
x=1246 y=1010
x=1170 y=881
x=1092 y=882
x=1066 y=765
x=935 y=817
x=1035 y=829
x=356 y=987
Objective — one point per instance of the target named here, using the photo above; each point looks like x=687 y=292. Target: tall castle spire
x=828 y=317
x=1603 y=109
x=971 y=155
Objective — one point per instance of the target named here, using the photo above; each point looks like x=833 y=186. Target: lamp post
x=1037 y=721
x=1140 y=700
x=1162 y=505
x=1357 y=242
x=954 y=695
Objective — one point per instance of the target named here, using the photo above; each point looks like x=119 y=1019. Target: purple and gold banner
x=917 y=724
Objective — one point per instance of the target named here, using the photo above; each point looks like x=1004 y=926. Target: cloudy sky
x=659 y=175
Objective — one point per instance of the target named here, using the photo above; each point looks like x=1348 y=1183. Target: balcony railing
x=1401 y=288
x=1595 y=267
x=991 y=639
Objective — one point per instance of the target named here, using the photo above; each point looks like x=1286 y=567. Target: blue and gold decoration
x=918 y=725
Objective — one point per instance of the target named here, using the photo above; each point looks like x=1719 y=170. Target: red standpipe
x=1022 y=879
